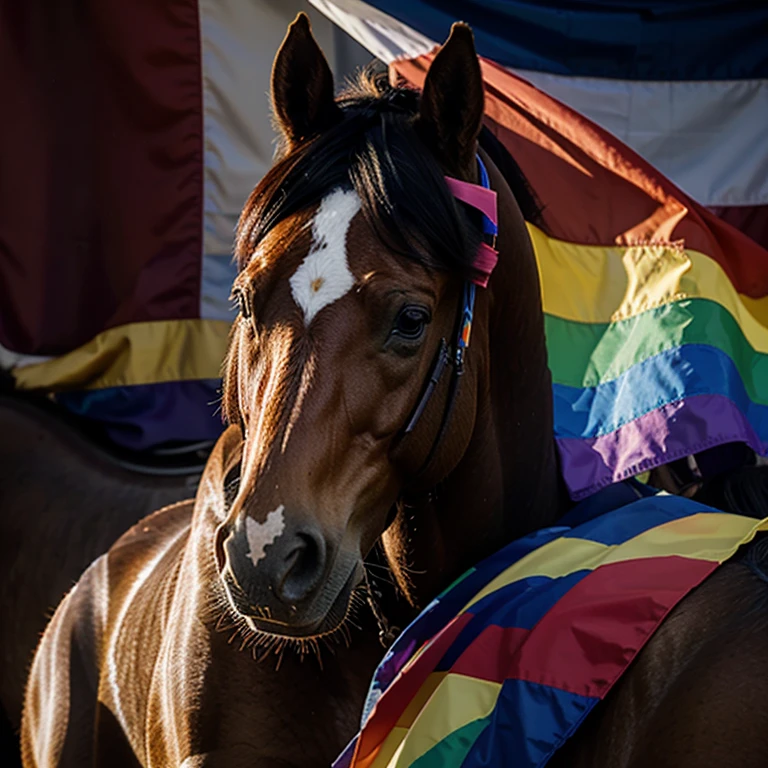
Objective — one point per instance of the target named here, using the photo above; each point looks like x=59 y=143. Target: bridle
x=484 y=199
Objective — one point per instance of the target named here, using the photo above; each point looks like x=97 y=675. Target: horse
x=359 y=414
x=49 y=535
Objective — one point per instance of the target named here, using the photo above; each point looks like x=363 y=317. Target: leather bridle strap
x=482 y=197
x=442 y=360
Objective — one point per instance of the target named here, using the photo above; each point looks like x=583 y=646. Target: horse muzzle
x=288 y=580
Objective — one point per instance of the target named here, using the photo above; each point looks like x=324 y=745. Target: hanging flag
x=656 y=310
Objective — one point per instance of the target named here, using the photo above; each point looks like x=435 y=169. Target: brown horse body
x=336 y=337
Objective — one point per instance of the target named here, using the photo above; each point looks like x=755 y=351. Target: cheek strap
x=484 y=199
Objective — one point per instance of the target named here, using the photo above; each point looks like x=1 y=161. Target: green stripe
x=451 y=751
x=456 y=582
x=588 y=354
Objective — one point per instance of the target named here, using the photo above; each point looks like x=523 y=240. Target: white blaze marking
x=261 y=535
x=324 y=275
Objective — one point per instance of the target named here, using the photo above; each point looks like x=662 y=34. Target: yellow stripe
x=712 y=536
x=558 y=558
x=704 y=536
x=390 y=748
x=422 y=696
x=602 y=284
x=139 y=353
x=455 y=701
x=392 y=743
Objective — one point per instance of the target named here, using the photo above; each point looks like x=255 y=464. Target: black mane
x=376 y=151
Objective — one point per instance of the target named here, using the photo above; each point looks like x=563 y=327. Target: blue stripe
x=606 y=499
x=630 y=40
x=529 y=722
x=145 y=416
x=686 y=371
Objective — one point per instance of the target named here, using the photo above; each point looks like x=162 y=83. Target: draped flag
x=503 y=667
x=656 y=310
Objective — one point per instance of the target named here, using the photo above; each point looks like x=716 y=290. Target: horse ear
x=302 y=85
x=452 y=102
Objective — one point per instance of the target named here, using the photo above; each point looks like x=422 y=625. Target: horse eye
x=242 y=302
x=411 y=322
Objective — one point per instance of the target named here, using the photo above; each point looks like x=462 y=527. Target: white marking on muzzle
x=261 y=535
x=324 y=275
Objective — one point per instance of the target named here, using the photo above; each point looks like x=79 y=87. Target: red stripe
x=101 y=187
x=589 y=637
x=390 y=707
x=594 y=189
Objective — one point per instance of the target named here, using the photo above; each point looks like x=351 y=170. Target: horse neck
x=520 y=382
x=507 y=483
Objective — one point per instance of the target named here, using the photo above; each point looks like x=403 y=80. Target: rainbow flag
x=656 y=310
x=504 y=666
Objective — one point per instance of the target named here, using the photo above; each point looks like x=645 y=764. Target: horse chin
x=325 y=620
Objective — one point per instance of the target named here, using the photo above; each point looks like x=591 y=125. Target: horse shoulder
x=144 y=565
x=80 y=669
x=60 y=698
x=697 y=694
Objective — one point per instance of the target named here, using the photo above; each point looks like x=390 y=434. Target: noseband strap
x=484 y=199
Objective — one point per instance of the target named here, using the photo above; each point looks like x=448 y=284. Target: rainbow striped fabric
x=505 y=665
x=656 y=310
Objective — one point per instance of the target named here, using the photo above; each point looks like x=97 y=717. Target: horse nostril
x=303 y=568
x=219 y=552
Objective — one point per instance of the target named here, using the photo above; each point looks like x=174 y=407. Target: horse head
x=354 y=259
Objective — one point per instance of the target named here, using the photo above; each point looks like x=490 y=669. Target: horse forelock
x=375 y=151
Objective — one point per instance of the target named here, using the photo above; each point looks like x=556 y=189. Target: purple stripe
x=663 y=435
